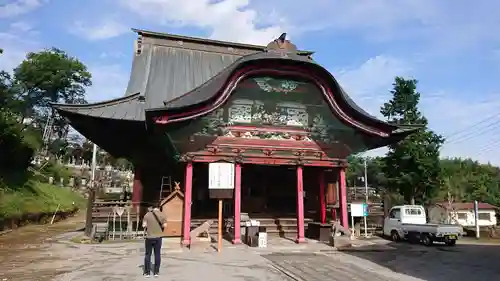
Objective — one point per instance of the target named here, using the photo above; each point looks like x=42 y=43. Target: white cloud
x=429 y=26
x=15 y=48
x=21 y=26
x=352 y=15
x=462 y=112
x=369 y=83
x=232 y=20
x=111 y=55
x=460 y=119
x=108 y=82
x=19 y=7
x=104 y=29
x=20 y=37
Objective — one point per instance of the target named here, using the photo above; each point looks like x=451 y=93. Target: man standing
x=154 y=222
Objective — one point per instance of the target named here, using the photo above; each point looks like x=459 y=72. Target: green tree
x=5 y=90
x=17 y=142
x=50 y=76
x=356 y=172
x=17 y=146
x=412 y=165
x=467 y=180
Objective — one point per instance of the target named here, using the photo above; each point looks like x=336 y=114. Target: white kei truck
x=409 y=222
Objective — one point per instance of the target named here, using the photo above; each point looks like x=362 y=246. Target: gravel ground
x=44 y=253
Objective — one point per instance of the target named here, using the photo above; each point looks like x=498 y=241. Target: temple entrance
x=269 y=190
x=266 y=191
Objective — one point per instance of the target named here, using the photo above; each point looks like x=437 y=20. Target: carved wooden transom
x=272 y=109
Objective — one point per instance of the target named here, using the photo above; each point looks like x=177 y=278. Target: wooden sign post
x=220 y=186
x=219 y=231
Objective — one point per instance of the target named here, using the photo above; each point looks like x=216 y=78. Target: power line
x=472 y=126
x=489 y=147
x=485 y=147
x=476 y=130
x=475 y=133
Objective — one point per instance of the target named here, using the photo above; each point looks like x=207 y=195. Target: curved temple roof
x=170 y=71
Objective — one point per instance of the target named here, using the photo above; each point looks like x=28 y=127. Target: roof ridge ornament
x=138 y=46
x=281 y=45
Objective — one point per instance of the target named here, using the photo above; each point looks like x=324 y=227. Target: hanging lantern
x=331 y=194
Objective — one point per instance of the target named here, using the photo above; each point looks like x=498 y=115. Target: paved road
x=335 y=267
x=402 y=262
x=58 y=261
x=122 y=262
x=439 y=263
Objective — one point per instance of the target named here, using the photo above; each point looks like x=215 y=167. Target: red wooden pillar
x=300 y=206
x=237 y=204
x=137 y=188
x=322 y=203
x=188 y=187
x=343 y=199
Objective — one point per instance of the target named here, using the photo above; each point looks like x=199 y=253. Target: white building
x=463 y=214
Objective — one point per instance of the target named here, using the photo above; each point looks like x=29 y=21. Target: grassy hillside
x=38 y=198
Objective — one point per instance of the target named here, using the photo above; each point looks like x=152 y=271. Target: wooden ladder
x=166 y=187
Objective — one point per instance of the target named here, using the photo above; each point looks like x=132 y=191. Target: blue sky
x=451 y=46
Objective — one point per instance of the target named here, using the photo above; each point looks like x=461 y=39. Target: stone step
x=269 y=223
x=274 y=226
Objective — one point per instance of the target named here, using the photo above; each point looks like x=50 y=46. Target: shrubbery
x=57 y=171
x=37 y=198
x=16 y=151
x=25 y=93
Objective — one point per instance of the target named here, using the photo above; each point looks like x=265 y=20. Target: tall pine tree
x=412 y=165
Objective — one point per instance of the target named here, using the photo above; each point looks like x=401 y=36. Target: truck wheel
x=427 y=240
x=451 y=242
x=395 y=236
x=412 y=238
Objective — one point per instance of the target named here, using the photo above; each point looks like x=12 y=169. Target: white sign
x=113 y=190
x=358 y=210
x=221 y=176
x=262 y=242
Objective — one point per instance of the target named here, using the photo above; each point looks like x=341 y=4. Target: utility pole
x=476 y=213
x=91 y=194
x=366 y=197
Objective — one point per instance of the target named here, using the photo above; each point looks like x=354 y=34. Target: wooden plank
x=219 y=234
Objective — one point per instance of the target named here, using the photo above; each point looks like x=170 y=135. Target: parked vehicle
x=409 y=222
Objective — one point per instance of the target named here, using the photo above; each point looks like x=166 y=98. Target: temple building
x=279 y=116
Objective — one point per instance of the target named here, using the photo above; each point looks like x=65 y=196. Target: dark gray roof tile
x=175 y=71
x=126 y=108
x=171 y=71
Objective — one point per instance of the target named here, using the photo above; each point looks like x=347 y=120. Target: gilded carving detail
x=273 y=108
x=269 y=84
x=265 y=135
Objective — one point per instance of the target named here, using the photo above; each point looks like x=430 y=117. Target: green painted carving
x=269 y=84
x=320 y=129
x=212 y=124
x=275 y=103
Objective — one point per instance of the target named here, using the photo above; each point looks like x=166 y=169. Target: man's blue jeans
x=152 y=244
